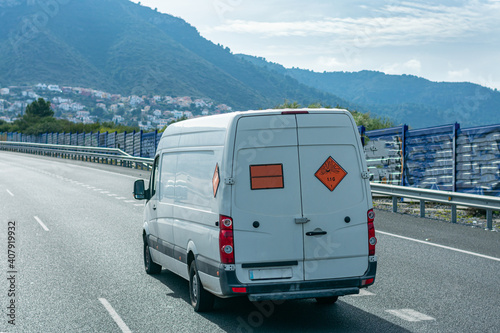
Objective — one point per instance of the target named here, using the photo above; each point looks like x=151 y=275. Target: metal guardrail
x=454 y=199
x=118 y=157
x=102 y=155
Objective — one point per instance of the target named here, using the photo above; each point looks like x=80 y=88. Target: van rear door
x=266 y=200
x=334 y=197
x=299 y=202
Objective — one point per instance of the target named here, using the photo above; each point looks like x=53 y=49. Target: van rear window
x=267 y=176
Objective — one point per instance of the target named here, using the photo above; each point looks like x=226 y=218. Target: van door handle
x=154 y=207
x=301 y=220
x=315 y=233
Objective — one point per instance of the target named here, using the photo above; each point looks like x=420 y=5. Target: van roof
x=220 y=123
x=223 y=120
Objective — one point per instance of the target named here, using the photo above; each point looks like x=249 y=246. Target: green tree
x=178 y=120
x=369 y=122
x=38 y=118
x=288 y=105
x=39 y=109
x=112 y=127
x=362 y=119
x=136 y=112
x=318 y=106
x=5 y=126
x=44 y=125
x=98 y=112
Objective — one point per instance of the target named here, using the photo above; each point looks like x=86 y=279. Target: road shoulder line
x=440 y=246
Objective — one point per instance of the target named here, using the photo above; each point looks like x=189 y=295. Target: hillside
x=122 y=47
x=403 y=98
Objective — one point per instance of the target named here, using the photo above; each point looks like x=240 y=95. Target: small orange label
x=330 y=173
x=216 y=179
x=264 y=177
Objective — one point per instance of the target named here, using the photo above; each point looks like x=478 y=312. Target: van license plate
x=267 y=274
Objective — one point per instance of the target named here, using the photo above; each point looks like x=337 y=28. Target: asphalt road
x=78 y=267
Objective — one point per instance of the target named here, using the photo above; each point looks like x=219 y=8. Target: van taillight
x=372 y=240
x=367 y=282
x=226 y=241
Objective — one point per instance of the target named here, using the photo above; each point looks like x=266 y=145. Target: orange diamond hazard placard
x=216 y=179
x=330 y=173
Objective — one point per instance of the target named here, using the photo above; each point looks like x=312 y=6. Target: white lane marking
x=139 y=205
x=105 y=192
x=112 y=195
x=41 y=223
x=120 y=198
x=129 y=201
x=116 y=317
x=363 y=292
x=441 y=246
x=11 y=194
x=98 y=189
x=410 y=315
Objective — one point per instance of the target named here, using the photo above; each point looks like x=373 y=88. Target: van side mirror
x=140 y=192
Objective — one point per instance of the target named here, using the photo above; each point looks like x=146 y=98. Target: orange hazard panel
x=330 y=173
x=216 y=179
x=266 y=176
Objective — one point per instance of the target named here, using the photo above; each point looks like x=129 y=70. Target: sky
x=439 y=40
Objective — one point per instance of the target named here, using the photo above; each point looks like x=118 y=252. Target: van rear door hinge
x=229 y=181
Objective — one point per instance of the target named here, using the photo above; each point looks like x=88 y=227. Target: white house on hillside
x=54 y=87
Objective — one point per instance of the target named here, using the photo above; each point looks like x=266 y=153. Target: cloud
x=329 y=63
x=405 y=23
x=459 y=75
x=411 y=66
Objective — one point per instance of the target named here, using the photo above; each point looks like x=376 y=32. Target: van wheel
x=201 y=300
x=327 y=300
x=150 y=267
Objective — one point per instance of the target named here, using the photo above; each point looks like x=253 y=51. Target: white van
x=272 y=204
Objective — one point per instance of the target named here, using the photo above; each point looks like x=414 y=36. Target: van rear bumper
x=302 y=294
x=296 y=290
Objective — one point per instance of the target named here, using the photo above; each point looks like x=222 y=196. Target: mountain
x=402 y=98
x=126 y=48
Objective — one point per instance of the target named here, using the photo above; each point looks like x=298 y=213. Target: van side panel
x=195 y=210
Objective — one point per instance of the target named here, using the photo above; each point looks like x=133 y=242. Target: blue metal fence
x=444 y=158
x=478 y=160
x=136 y=143
x=384 y=154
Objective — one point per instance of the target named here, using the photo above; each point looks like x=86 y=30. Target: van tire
x=327 y=300
x=201 y=300
x=151 y=267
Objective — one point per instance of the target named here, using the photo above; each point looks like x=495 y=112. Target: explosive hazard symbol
x=330 y=173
